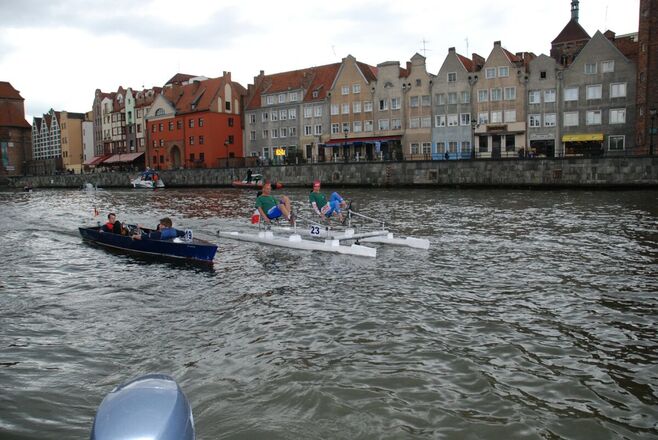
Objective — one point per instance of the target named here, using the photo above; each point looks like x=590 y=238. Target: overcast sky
x=58 y=52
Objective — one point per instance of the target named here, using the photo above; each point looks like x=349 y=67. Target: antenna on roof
x=424 y=49
x=467 y=52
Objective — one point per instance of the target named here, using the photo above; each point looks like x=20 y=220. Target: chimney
x=497 y=43
x=451 y=50
x=610 y=35
x=574 y=10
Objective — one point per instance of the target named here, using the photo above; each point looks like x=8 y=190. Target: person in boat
x=325 y=209
x=112 y=225
x=271 y=208
x=164 y=231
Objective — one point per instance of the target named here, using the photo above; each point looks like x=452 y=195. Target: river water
x=532 y=316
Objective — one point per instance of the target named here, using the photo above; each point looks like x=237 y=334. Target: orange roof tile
x=466 y=62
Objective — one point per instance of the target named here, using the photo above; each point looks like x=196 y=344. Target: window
x=252 y=135
x=292 y=131
x=179 y=124
x=345 y=108
x=617 y=115
x=265 y=134
x=345 y=90
x=503 y=71
x=483 y=118
x=542 y=74
x=593 y=117
x=356 y=88
x=466 y=97
x=292 y=113
x=510 y=143
x=227 y=106
x=269 y=100
x=549 y=120
x=265 y=117
x=284 y=132
x=367 y=106
x=617 y=90
x=510 y=93
x=607 y=66
x=275 y=133
x=426 y=122
x=202 y=140
x=440 y=99
x=425 y=100
x=465 y=119
x=466 y=146
x=171 y=125
x=396 y=124
x=453 y=120
x=549 y=95
x=490 y=72
x=440 y=120
x=452 y=146
x=510 y=115
x=590 y=68
x=452 y=98
x=594 y=92
x=418 y=82
x=283 y=115
x=293 y=96
x=160 y=126
x=534 y=121
x=367 y=125
x=252 y=118
x=356 y=107
x=318 y=129
x=395 y=103
x=414 y=123
x=308 y=111
x=274 y=116
x=440 y=147
x=427 y=147
x=191 y=140
x=570 y=119
x=452 y=77
x=282 y=98
x=383 y=124
x=334 y=109
x=571 y=94
x=496 y=94
x=534 y=97
x=413 y=101
x=335 y=128
x=308 y=130
x=496 y=117
x=414 y=148
x=383 y=104
x=616 y=143
x=317 y=111
x=357 y=127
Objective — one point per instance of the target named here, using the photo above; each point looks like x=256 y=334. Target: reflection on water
x=533 y=315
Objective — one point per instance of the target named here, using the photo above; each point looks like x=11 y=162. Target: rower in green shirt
x=270 y=208
x=323 y=208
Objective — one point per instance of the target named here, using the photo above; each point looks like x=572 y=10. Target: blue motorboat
x=150 y=407
x=187 y=248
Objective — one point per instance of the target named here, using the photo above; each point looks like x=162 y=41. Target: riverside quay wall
x=632 y=172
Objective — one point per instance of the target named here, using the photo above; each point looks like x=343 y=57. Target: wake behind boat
x=183 y=249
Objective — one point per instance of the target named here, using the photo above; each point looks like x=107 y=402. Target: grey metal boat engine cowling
x=152 y=406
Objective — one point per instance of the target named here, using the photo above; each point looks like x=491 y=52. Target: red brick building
x=197 y=123
x=647 y=78
x=15 y=132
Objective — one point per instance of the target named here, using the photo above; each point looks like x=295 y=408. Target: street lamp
x=345 y=131
x=653 y=113
x=474 y=125
x=226 y=142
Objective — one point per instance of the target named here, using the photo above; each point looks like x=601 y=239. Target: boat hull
x=146 y=184
x=195 y=250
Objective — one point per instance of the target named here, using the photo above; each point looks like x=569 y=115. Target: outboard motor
x=150 y=407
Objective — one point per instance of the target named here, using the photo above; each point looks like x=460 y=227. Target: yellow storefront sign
x=582 y=137
x=280 y=152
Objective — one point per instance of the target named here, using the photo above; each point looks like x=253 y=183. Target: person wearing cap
x=270 y=208
x=325 y=209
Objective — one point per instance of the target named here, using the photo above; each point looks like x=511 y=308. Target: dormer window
x=315 y=93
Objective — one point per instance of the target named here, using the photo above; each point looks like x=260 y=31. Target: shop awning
x=582 y=137
x=342 y=141
x=95 y=160
x=122 y=158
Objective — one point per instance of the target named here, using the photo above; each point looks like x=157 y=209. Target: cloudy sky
x=58 y=52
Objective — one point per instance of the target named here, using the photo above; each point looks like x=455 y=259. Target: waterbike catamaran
x=321 y=237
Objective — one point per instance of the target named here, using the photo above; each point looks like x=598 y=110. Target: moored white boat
x=148 y=179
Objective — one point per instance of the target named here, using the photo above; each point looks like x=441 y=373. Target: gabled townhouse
x=417 y=138
x=196 y=124
x=287 y=114
x=353 y=134
x=500 y=104
x=57 y=136
x=452 y=90
x=543 y=111
x=389 y=111
x=15 y=132
x=598 y=101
